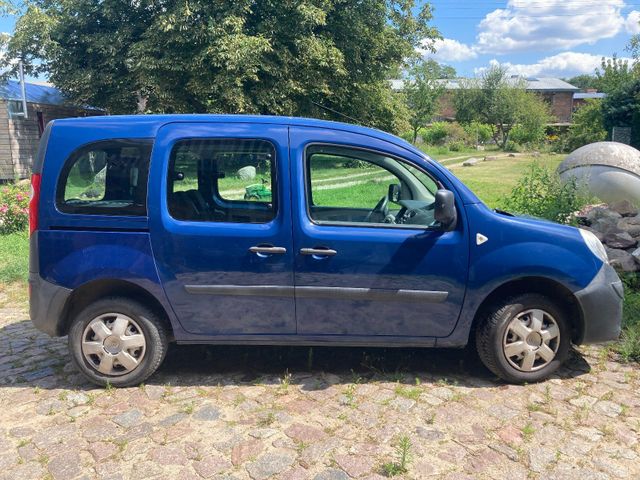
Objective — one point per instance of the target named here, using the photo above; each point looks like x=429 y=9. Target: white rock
x=247 y=173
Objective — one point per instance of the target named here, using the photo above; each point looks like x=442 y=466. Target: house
x=580 y=98
x=19 y=136
x=557 y=93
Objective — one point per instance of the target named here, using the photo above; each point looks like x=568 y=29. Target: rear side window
x=106 y=178
x=222 y=180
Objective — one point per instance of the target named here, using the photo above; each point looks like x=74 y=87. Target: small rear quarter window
x=106 y=178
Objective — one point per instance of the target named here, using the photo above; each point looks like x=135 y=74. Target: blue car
x=141 y=235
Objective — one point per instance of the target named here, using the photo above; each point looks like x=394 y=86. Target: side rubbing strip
x=340 y=293
x=241 y=290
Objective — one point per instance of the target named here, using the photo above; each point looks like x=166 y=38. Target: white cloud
x=449 y=50
x=632 y=24
x=566 y=64
x=549 y=25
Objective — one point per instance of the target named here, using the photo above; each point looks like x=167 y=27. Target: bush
x=528 y=135
x=14 y=208
x=629 y=345
x=436 y=134
x=587 y=127
x=478 y=132
x=444 y=133
x=541 y=193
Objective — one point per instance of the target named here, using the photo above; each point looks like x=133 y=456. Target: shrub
x=478 y=132
x=587 y=127
x=436 y=134
x=541 y=193
x=528 y=135
x=14 y=208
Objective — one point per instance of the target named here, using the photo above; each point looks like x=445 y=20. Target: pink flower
x=4 y=208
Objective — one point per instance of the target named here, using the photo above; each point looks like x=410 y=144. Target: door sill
x=310 y=340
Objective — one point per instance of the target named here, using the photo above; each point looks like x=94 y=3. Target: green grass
x=492 y=181
x=443 y=153
x=629 y=345
x=14 y=257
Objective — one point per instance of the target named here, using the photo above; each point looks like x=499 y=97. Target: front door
x=369 y=258
x=220 y=224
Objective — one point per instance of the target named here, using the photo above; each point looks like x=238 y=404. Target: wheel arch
x=95 y=290
x=553 y=289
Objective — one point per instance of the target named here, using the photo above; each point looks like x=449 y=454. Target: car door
x=220 y=224
x=356 y=271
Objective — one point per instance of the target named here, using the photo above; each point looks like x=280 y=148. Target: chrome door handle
x=323 y=252
x=268 y=250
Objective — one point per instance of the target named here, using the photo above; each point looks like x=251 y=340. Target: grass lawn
x=14 y=257
x=491 y=181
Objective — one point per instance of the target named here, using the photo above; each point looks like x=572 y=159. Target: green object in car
x=258 y=191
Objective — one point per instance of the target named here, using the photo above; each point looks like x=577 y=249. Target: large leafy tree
x=613 y=74
x=500 y=101
x=247 y=56
x=423 y=89
x=622 y=109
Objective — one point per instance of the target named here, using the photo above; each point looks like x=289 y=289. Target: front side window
x=106 y=178
x=353 y=186
x=222 y=180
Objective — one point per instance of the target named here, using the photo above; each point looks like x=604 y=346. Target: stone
x=624 y=208
x=491 y=158
x=619 y=240
x=540 y=458
x=270 y=464
x=128 y=419
x=207 y=413
x=471 y=162
x=622 y=260
x=245 y=451
x=429 y=433
x=631 y=225
x=610 y=409
x=331 y=474
x=354 y=465
x=305 y=433
x=602 y=211
x=636 y=255
x=102 y=450
x=78 y=398
x=64 y=466
x=211 y=465
x=168 y=455
x=247 y=173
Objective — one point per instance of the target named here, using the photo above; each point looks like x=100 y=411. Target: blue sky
x=559 y=38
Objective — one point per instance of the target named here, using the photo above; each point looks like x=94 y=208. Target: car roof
x=152 y=123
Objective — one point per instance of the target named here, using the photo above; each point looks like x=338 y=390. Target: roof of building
x=588 y=95
x=535 y=84
x=41 y=93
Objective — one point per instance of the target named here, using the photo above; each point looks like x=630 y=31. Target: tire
x=108 y=336
x=519 y=329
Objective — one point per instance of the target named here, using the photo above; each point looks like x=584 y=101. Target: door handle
x=268 y=249
x=320 y=252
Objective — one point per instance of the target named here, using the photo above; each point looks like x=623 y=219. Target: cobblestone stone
x=237 y=418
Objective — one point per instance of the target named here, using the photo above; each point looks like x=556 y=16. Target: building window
x=15 y=108
x=40 y=117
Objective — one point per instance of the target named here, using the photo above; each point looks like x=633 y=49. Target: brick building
x=19 y=136
x=557 y=93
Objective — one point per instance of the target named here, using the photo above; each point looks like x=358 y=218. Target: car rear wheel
x=523 y=339
x=117 y=341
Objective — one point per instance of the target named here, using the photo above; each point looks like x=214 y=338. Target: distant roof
x=36 y=93
x=536 y=84
x=588 y=95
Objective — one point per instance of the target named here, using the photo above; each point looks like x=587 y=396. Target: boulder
x=490 y=158
x=631 y=225
x=636 y=255
x=622 y=260
x=602 y=211
x=599 y=235
x=619 y=240
x=247 y=173
x=624 y=208
x=603 y=220
x=471 y=162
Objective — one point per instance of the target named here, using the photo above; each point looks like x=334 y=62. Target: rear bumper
x=46 y=305
x=601 y=305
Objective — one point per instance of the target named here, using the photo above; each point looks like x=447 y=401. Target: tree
x=584 y=82
x=622 y=109
x=613 y=74
x=587 y=126
x=501 y=102
x=277 y=57
x=423 y=90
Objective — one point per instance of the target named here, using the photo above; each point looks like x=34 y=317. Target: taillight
x=36 y=180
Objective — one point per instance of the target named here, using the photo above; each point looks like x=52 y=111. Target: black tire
x=151 y=327
x=491 y=336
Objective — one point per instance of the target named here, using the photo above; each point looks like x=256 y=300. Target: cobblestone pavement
x=296 y=413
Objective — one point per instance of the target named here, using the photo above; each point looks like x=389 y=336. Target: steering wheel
x=381 y=209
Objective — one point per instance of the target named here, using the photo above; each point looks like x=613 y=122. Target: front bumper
x=601 y=305
x=47 y=302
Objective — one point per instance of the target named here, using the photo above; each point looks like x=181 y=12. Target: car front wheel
x=117 y=341
x=523 y=339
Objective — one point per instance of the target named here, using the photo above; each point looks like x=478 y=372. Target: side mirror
x=394 y=193
x=445 y=210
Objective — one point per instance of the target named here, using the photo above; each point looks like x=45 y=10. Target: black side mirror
x=394 y=193
x=445 y=210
